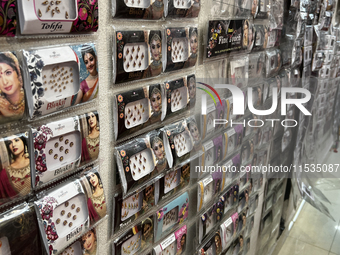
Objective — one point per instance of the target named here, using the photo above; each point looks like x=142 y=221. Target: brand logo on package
x=62 y=193
x=58 y=104
x=55 y=26
x=239 y=102
x=55 y=55
x=60 y=127
x=74 y=233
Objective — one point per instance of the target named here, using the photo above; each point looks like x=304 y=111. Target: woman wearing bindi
x=12 y=96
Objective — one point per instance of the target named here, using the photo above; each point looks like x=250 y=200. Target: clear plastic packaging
x=208 y=221
x=138 y=9
x=174 y=181
x=263 y=9
x=294 y=78
x=308 y=54
x=266 y=227
x=137 y=239
x=245 y=176
x=56 y=78
x=176 y=9
x=57 y=17
x=235 y=232
x=132 y=207
x=225 y=36
x=273 y=61
x=229 y=198
x=256 y=62
x=20 y=223
x=195 y=131
x=238 y=71
x=142 y=158
x=308 y=40
x=242 y=8
x=318 y=60
x=176 y=243
x=137 y=54
x=171 y=216
x=180 y=95
x=297 y=53
x=273 y=38
x=219 y=153
x=16 y=175
x=212 y=246
x=236 y=162
x=212 y=121
x=61 y=146
x=57 y=149
x=243 y=199
x=90 y=134
x=260 y=37
x=292 y=22
x=277 y=13
x=254 y=8
x=230 y=138
x=135 y=109
x=207 y=190
x=180 y=48
x=207 y=121
x=87 y=244
x=63 y=216
x=12 y=94
x=286 y=51
x=178 y=142
x=95 y=195
x=299 y=26
x=215 y=72
x=325 y=19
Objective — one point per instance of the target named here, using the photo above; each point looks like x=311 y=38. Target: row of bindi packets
x=141 y=107
x=47 y=17
x=153 y=228
x=155 y=152
x=142 y=54
x=70 y=210
x=257 y=9
x=227 y=224
x=56 y=218
x=136 y=204
x=43 y=154
x=39 y=82
x=227 y=204
x=155 y=9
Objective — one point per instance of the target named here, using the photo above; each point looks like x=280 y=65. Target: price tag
x=228 y=222
x=211 y=108
x=208 y=145
x=207 y=180
x=167 y=242
x=231 y=132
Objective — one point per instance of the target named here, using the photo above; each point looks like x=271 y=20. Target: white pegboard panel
x=106 y=90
